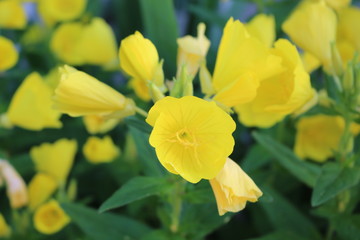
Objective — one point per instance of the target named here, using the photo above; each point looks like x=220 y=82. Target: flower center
x=185 y=137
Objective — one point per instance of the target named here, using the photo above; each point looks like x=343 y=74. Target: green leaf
x=161 y=27
x=256 y=158
x=104 y=226
x=147 y=155
x=135 y=189
x=332 y=180
x=285 y=216
x=348 y=227
x=279 y=235
x=304 y=171
x=138 y=124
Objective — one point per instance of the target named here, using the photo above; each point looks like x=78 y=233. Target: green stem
x=329 y=233
x=176 y=205
x=141 y=112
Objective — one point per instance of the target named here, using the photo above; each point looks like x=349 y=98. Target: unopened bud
x=336 y=61
x=155 y=92
x=348 y=79
x=159 y=76
x=205 y=80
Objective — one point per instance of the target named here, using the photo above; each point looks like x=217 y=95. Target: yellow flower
x=12 y=15
x=80 y=94
x=192 y=51
x=318 y=136
x=97 y=150
x=98 y=124
x=281 y=94
x=9 y=55
x=31 y=106
x=311 y=63
x=62 y=10
x=40 y=188
x=192 y=137
x=312 y=26
x=15 y=185
x=55 y=159
x=97 y=44
x=348 y=27
x=141 y=88
x=242 y=62
x=5 y=230
x=64 y=43
x=49 y=218
x=262 y=27
x=233 y=188
x=338 y=4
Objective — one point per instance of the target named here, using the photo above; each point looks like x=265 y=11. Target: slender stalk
x=177 y=206
x=141 y=112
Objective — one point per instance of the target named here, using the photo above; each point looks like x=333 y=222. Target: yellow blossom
x=81 y=94
x=62 y=10
x=233 y=188
x=55 y=159
x=12 y=15
x=192 y=51
x=242 y=63
x=312 y=26
x=5 y=230
x=192 y=137
x=98 y=124
x=311 y=63
x=49 y=218
x=31 y=106
x=9 y=55
x=141 y=88
x=97 y=150
x=318 y=136
x=40 y=188
x=281 y=94
x=15 y=185
x=262 y=27
x=349 y=29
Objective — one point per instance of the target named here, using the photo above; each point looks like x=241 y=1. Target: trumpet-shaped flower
x=5 y=230
x=55 y=159
x=192 y=51
x=97 y=150
x=31 y=105
x=242 y=63
x=49 y=218
x=40 y=188
x=15 y=185
x=9 y=55
x=312 y=26
x=80 y=94
x=281 y=94
x=12 y=15
x=318 y=136
x=192 y=137
x=98 y=124
x=262 y=27
x=233 y=188
x=62 y=10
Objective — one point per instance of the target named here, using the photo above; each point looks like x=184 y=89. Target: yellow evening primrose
x=98 y=124
x=349 y=29
x=311 y=63
x=262 y=27
x=5 y=229
x=192 y=51
x=31 y=106
x=242 y=63
x=12 y=15
x=338 y=4
x=192 y=137
x=312 y=26
x=55 y=159
x=15 y=185
x=233 y=188
x=40 y=188
x=281 y=94
x=80 y=94
x=318 y=136
x=63 y=10
x=9 y=55
x=97 y=150
x=49 y=218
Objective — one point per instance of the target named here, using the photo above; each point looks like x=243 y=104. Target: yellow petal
x=50 y=218
x=349 y=28
x=312 y=26
x=311 y=63
x=31 y=105
x=192 y=137
x=63 y=10
x=98 y=124
x=40 y=188
x=141 y=88
x=97 y=150
x=5 y=230
x=262 y=27
x=55 y=159
x=233 y=188
x=9 y=55
x=12 y=15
